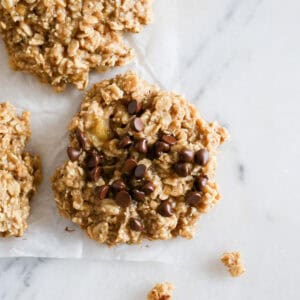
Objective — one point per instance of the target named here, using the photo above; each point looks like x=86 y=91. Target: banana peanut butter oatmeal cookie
x=141 y=164
x=233 y=261
x=161 y=291
x=62 y=41
x=19 y=171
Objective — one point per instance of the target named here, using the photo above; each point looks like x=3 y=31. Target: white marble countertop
x=239 y=62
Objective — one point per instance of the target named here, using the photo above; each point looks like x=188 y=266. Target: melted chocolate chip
x=182 y=169
x=134 y=107
x=186 y=156
x=138 y=195
x=165 y=209
x=93 y=159
x=118 y=185
x=81 y=138
x=73 y=153
x=201 y=182
x=140 y=171
x=125 y=142
x=169 y=139
x=94 y=174
x=123 y=199
x=136 y=225
x=161 y=147
x=102 y=191
x=193 y=198
x=137 y=124
x=202 y=157
x=129 y=166
x=141 y=146
x=148 y=187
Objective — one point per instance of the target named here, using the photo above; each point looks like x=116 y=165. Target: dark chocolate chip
x=182 y=169
x=81 y=138
x=93 y=159
x=138 y=195
x=186 y=156
x=161 y=147
x=94 y=174
x=148 y=187
x=165 y=209
x=201 y=182
x=141 y=146
x=169 y=139
x=134 y=107
x=118 y=185
x=123 y=199
x=140 y=171
x=102 y=191
x=193 y=198
x=125 y=142
x=202 y=157
x=129 y=166
x=135 y=224
x=73 y=153
x=137 y=124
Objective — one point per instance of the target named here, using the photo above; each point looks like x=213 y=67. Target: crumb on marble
x=161 y=291
x=233 y=261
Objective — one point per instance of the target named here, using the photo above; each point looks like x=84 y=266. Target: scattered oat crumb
x=69 y=229
x=161 y=291
x=233 y=261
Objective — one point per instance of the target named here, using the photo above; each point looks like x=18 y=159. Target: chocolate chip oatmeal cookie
x=61 y=41
x=141 y=164
x=19 y=171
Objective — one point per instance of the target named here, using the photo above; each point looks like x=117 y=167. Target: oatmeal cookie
x=141 y=164
x=62 y=41
x=161 y=291
x=19 y=171
x=233 y=261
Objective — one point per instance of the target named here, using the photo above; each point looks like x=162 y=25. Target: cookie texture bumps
x=141 y=164
x=62 y=41
x=20 y=171
x=161 y=291
x=233 y=261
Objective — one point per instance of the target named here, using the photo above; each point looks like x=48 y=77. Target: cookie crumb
x=161 y=291
x=233 y=261
x=67 y=229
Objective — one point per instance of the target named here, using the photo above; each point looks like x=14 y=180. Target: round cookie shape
x=149 y=185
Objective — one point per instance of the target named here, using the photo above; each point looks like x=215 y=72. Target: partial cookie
x=62 y=41
x=141 y=164
x=161 y=291
x=233 y=261
x=20 y=172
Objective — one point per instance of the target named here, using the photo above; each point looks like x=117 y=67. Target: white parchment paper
x=156 y=60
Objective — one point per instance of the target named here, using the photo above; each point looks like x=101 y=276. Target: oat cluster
x=161 y=291
x=19 y=171
x=61 y=41
x=141 y=164
x=233 y=261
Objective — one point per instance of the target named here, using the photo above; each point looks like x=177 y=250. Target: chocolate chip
x=123 y=199
x=193 y=198
x=140 y=171
x=141 y=146
x=125 y=142
x=165 y=209
x=202 y=157
x=138 y=195
x=137 y=124
x=102 y=191
x=182 y=169
x=134 y=107
x=201 y=182
x=161 y=147
x=94 y=174
x=186 y=156
x=135 y=224
x=169 y=139
x=148 y=188
x=73 y=153
x=93 y=159
x=118 y=185
x=81 y=138
x=129 y=166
